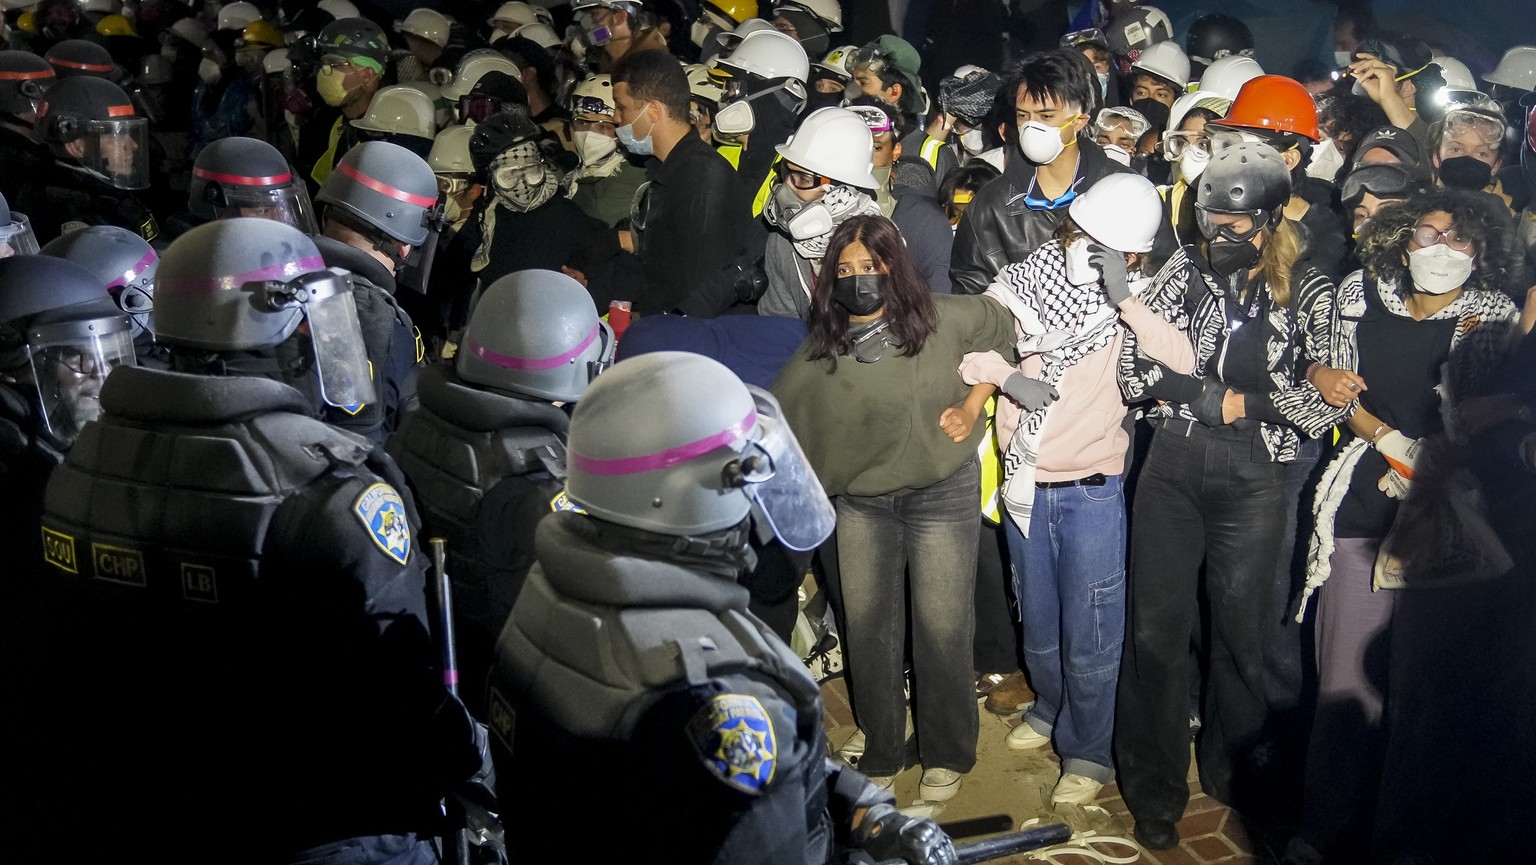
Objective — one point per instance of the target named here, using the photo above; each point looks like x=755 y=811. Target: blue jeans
x=919 y=544
x=1069 y=576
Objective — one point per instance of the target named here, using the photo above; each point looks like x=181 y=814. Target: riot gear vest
x=615 y=666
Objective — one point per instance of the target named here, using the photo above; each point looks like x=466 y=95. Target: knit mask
x=521 y=179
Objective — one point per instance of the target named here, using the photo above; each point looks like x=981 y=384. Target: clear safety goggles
x=877 y=121
x=1175 y=144
x=590 y=105
x=1090 y=36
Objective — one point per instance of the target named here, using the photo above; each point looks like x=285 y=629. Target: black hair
x=909 y=304
x=525 y=52
x=655 y=76
x=1347 y=119
x=1477 y=216
x=971 y=177
x=1062 y=75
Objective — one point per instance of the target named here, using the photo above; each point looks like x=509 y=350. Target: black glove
x=886 y=833
x=1112 y=265
x=1031 y=393
x=750 y=281
x=1207 y=407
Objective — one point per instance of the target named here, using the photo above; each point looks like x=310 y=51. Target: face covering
x=521 y=184
x=452 y=211
x=816 y=99
x=973 y=142
x=1438 y=269
x=859 y=294
x=882 y=174
x=1343 y=58
x=1118 y=154
x=1079 y=270
x=1041 y=144
x=209 y=71
x=1326 y=161
x=1229 y=257
x=594 y=147
x=1191 y=163
x=1465 y=172
x=332 y=87
x=638 y=146
x=1104 y=85
x=1150 y=107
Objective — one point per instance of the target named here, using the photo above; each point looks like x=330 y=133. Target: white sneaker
x=1025 y=738
x=939 y=785
x=1075 y=789
x=884 y=782
x=853 y=749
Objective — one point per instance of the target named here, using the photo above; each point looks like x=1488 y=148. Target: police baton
x=1014 y=842
x=458 y=841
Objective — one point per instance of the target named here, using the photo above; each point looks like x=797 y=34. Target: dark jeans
x=1203 y=497
x=996 y=649
x=934 y=530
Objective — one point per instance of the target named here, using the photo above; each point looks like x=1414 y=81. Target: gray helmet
x=535 y=333
x=1245 y=178
x=124 y=263
x=674 y=443
x=248 y=177
x=16 y=237
x=23 y=78
x=385 y=186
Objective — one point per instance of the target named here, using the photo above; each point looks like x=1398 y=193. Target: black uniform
x=485 y=468
x=393 y=345
x=62 y=193
x=635 y=670
x=260 y=680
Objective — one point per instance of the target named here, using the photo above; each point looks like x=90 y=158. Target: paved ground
x=1009 y=787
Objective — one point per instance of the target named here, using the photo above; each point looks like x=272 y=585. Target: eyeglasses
x=83 y=364
x=799 y=178
x=337 y=66
x=1425 y=235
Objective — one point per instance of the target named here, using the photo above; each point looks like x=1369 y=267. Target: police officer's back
x=631 y=663
x=485 y=450
x=249 y=579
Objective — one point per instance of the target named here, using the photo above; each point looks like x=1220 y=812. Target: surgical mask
x=1079 y=270
x=332 y=87
x=1118 y=154
x=1465 y=172
x=1343 y=58
x=1192 y=163
x=1438 y=269
x=860 y=294
x=1104 y=85
x=1041 y=144
x=209 y=71
x=638 y=146
x=973 y=142
x=1232 y=256
x=594 y=147
x=1326 y=160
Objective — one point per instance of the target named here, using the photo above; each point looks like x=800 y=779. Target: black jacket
x=999 y=229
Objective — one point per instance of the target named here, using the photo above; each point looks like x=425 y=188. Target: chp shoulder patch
x=382 y=513
x=562 y=502
x=734 y=739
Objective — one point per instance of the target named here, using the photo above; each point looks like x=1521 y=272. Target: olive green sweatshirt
x=873 y=428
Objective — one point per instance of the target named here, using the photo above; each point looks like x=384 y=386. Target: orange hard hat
x=1275 y=103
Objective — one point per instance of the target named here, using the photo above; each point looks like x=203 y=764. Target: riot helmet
x=248 y=177
x=124 y=264
x=92 y=121
x=16 y=237
x=23 y=78
x=535 y=333
x=674 y=443
x=75 y=57
x=384 y=186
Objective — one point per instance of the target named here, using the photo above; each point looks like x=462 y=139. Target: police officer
x=124 y=265
x=239 y=176
x=250 y=582
x=23 y=78
x=485 y=451
x=378 y=206
x=100 y=146
x=630 y=659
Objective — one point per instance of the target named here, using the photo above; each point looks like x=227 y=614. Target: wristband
x=1377 y=434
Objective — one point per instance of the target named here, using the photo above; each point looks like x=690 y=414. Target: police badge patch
x=734 y=739
x=383 y=515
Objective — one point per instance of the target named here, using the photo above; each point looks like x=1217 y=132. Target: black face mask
x=1465 y=172
x=1151 y=109
x=860 y=294
x=816 y=99
x=1229 y=257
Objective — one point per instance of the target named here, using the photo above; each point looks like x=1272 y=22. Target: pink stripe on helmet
x=285 y=270
x=668 y=457
x=243 y=180
x=136 y=271
x=506 y=361
x=383 y=188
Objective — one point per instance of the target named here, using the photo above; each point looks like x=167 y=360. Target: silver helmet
x=535 y=333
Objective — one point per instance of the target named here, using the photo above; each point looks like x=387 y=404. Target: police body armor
x=485 y=467
x=602 y=644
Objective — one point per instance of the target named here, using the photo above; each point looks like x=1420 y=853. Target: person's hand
x=627 y=241
x=957 y=423
x=1232 y=406
x=1402 y=455
x=1339 y=387
x=1528 y=312
x=1377 y=78
x=575 y=274
x=1031 y=393
x=1210 y=406
x=943 y=124
x=886 y=834
x=1112 y=265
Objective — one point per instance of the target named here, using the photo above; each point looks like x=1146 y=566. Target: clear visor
x=341 y=359
x=779 y=480
x=286 y=204
x=16 y=238
x=117 y=150
x=70 y=371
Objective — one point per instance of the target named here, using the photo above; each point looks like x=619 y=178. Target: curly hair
x=909 y=305
x=1477 y=216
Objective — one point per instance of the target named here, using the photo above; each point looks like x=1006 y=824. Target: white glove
x=1402 y=455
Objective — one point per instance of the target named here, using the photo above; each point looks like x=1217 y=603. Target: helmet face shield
x=774 y=473
x=341 y=360
x=70 y=362
x=118 y=150
x=16 y=237
x=288 y=204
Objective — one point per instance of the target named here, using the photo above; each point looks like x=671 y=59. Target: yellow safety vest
x=930 y=151
x=765 y=190
x=327 y=162
x=991 y=462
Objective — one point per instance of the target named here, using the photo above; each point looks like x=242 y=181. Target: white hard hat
x=1121 y=211
x=593 y=87
x=1517 y=69
x=835 y=143
x=520 y=13
x=428 y=24
x=238 y=14
x=1457 y=75
x=191 y=30
x=830 y=12
x=339 y=9
x=450 y=151
x=840 y=61
x=1201 y=98
x=1227 y=75
x=473 y=67
x=743 y=30
x=769 y=54
x=1166 y=60
x=276 y=62
x=701 y=86
x=400 y=110
x=539 y=33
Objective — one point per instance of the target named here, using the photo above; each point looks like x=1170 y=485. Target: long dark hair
x=908 y=305
x=1477 y=216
